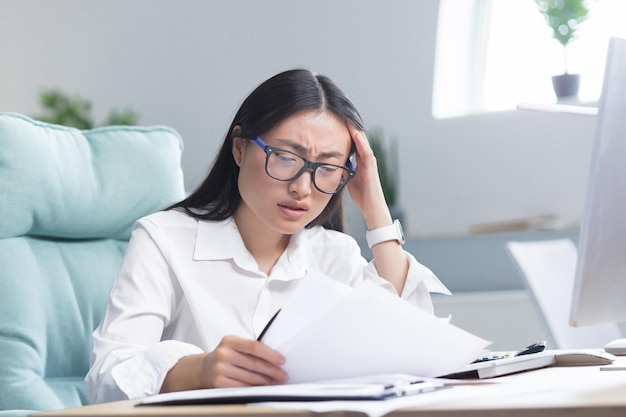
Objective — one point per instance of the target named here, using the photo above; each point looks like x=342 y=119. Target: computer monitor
x=599 y=294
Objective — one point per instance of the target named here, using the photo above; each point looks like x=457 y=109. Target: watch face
x=400 y=231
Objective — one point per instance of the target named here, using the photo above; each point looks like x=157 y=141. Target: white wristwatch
x=383 y=234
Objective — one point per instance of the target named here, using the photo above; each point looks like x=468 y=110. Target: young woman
x=200 y=280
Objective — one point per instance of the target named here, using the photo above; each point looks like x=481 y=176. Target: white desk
x=549 y=392
x=555 y=391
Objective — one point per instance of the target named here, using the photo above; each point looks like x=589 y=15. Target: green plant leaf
x=564 y=17
x=62 y=109
x=122 y=117
x=386 y=153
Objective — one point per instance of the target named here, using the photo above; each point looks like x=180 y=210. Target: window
x=493 y=54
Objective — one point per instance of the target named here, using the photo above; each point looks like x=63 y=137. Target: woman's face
x=286 y=207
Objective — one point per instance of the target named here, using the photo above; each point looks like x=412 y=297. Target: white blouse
x=186 y=283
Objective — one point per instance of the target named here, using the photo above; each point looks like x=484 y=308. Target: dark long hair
x=276 y=99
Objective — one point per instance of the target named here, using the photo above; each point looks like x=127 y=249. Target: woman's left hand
x=365 y=188
x=367 y=193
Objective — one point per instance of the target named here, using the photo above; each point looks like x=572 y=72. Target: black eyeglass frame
x=313 y=166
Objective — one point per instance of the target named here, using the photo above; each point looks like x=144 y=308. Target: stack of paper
x=342 y=343
x=329 y=331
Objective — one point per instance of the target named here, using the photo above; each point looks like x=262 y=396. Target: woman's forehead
x=313 y=131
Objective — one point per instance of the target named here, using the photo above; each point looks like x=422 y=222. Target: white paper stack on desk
x=344 y=343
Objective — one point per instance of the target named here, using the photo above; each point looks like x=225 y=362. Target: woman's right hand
x=236 y=362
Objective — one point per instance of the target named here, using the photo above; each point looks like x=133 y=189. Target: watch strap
x=384 y=234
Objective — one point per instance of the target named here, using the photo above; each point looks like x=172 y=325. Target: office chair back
x=68 y=200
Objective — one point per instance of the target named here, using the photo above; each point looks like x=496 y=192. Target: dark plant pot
x=566 y=85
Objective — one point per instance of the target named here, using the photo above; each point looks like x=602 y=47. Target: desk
x=549 y=392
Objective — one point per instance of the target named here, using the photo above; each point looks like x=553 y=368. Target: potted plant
x=386 y=152
x=564 y=17
x=61 y=109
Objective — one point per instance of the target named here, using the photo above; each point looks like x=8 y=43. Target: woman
x=201 y=279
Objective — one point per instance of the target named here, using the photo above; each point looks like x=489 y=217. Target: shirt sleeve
x=134 y=373
x=342 y=259
x=420 y=282
x=128 y=359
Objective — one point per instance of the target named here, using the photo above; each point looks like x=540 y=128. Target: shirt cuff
x=420 y=282
x=420 y=275
x=144 y=373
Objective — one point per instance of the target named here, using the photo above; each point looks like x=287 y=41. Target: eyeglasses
x=284 y=165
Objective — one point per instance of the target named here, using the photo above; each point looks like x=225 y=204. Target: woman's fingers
x=256 y=349
x=365 y=188
x=231 y=375
x=363 y=149
x=242 y=362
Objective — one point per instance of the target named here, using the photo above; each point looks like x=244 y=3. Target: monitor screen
x=599 y=294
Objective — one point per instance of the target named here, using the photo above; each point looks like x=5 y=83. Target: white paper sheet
x=455 y=395
x=364 y=331
x=315 y=295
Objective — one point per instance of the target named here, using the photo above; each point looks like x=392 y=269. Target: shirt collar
x=220 y=240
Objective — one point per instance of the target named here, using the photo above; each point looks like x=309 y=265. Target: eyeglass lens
x=285 y=166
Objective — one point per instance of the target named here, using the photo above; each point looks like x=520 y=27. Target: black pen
x=534 y=348
x=267 y=326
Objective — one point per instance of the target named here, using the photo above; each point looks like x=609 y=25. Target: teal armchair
x=68 y=200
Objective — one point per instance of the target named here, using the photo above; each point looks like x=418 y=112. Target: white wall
x=189 y=63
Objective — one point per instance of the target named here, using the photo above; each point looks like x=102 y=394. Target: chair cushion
x=68 y=199
x=64 y=182
x=53 y=296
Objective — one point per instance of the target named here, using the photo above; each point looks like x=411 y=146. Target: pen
x=404 y=388
x=267 y=326
x=534 y=348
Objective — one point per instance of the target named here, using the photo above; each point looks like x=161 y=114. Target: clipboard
x=374 y=388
